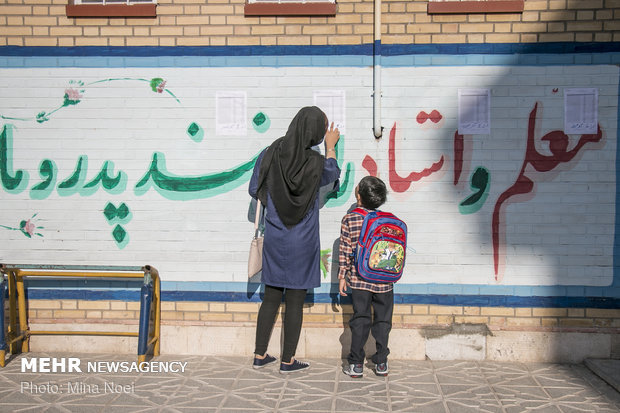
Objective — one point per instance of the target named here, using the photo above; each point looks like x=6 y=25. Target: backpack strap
x=360 y=211
x=363 y=213
x=257 y=219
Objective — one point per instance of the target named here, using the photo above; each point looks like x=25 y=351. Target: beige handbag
x=255 y=261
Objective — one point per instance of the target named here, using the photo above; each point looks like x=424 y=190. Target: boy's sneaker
x=258 y=363
x=354 y=370
x=296 y=365
x=382 y=369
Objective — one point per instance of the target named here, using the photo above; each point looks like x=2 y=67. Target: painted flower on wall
x=73 y=94
x=72 y=97
x=27 y=227
x=158 y=85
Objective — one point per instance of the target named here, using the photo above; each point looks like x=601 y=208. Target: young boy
x=371 y=193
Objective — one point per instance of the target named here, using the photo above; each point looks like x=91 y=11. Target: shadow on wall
x=542 y=200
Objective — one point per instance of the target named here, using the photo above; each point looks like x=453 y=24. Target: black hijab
x=291 y=170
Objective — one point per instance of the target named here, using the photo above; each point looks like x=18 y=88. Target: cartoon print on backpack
x=387 y=256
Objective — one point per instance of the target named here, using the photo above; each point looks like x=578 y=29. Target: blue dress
x=291 y=256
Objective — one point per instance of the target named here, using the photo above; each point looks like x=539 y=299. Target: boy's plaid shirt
x=349 y=233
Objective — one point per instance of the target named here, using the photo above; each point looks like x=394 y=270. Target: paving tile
x=419 y=405
x=458 y=391
x=306 y=403
x=361 y=404
x=587 y=408
x=11 y=407
x=82 y=408
x=462 y=406
x=423 y=390
x=233 y=410
x=529 y=407
x=519 y=392
x=317 y=388
x=230 y=384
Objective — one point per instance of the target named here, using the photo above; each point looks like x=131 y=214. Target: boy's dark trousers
x=361 y=324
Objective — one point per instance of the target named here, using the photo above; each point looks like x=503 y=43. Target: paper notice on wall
x=230 y=113
x=332 y=103
x=474 y=111
x=580 y=110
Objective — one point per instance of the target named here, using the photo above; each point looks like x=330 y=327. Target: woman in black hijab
x=287 y=177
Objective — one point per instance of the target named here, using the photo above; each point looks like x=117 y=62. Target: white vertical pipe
x=377 y=128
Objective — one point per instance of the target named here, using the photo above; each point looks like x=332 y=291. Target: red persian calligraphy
x=459 y=146
x=399 y=183
x=558 y=145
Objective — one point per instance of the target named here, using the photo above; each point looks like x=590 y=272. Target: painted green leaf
x=195 y=132
x=119 y=234
x=261 y=122
x=109 y=211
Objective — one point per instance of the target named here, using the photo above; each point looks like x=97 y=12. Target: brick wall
x=419 y=331
x=222 y=23
x=326 y=315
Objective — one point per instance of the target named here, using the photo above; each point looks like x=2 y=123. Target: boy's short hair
x=372 y=191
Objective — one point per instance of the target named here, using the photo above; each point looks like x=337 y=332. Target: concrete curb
x=606 y=369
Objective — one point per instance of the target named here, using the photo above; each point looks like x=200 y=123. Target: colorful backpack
x=380 y=251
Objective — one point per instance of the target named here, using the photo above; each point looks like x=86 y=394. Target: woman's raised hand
x=331 y=139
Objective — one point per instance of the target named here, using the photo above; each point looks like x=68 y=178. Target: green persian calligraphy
x=479 y=182
x=48 y=172
x=12 y=182
x=183 y=188
x=340 y=197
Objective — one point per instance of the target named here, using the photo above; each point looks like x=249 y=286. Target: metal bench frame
x=150 y=304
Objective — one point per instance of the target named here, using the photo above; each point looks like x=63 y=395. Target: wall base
x=450 y=343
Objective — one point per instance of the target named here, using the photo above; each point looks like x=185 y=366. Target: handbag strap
x=257 y=219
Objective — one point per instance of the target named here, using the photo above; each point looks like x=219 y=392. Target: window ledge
x=111 y=10
x=290 y=9
x=488 y=6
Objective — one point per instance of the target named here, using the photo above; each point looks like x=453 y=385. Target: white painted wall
x=562 y=234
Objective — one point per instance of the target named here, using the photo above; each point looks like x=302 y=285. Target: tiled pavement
x=229 y=384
